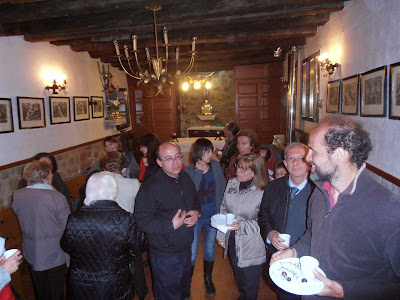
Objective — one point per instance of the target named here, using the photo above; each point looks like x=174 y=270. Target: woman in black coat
x=103 y=241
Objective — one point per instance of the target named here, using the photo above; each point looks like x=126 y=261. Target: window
x=310 y=88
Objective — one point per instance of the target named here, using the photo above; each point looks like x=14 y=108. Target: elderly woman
x=246 y=142
x=42 y=214
x=208 y=177
x=58 y=183
x=131 y=167
x=243 y=241
x=103 y=240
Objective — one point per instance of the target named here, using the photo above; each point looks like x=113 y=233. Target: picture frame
x=350 y=95
x=373 y=93
x=31 y=112
x=6 y=116
x=394 y=92
x=310 y=88
x=60 y=110
x=97 y=104
x=333 y=96
x=81 y=108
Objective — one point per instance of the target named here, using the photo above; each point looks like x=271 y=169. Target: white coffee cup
x=219 y=152
x=308 y=264
x=230 y=219
x=9 y=253
x=286 y=237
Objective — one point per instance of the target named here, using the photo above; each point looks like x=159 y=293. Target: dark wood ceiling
x=229 y=32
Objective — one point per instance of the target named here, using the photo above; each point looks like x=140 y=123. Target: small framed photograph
x=59 y=110
x=81 y=108
x=31 y=112
x=6 y=117
x=97 y=107
x=333 y=98
x=350 y=95
x=373 y=93
x=394 y=91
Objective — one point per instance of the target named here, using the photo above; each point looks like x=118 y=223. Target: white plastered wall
x=365 y=35
x=21 y=74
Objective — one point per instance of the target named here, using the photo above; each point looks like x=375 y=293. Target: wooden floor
x=223 y=279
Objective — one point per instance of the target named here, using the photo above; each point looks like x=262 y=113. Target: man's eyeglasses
x=240 y=168
x=170 y=159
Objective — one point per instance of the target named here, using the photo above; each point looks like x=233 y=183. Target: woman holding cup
x=243 y=241
x=209 y=179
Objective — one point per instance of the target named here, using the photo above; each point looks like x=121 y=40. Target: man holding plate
x=283 y=208
x=353 y=224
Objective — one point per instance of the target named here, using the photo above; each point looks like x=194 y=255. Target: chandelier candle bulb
x=194 y=44
x=134 y=41
x=116 y=47
x=165 y=33
x=126 y=51
x=147 y=53
x=177 y=54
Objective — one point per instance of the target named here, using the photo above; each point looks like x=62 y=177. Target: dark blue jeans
x=171 y=275
x=209 y=235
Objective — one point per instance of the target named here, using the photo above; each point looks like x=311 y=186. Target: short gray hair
x=292 y=145
x=101 y=186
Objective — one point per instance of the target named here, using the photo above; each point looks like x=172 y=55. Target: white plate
x=219 y=221
x=291 y=267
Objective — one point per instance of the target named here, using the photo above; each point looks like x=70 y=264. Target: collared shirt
x=300 y=186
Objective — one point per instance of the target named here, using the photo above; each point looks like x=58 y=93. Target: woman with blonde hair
x=243 y=241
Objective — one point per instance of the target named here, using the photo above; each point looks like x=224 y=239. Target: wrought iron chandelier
x=157 y=72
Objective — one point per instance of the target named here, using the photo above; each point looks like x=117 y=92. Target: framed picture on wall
x=31 y=112
x=81 y=108
x=6 y=117
x=97 y=107
x=333 y=96
x=394 y=92
x=350 y=95
x=60 y=111
x=373 y=93
x=310 y=88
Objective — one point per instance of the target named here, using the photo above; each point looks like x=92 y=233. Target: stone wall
x=221 y=97
x=71 y=163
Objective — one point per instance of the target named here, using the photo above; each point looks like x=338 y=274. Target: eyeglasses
x=170 y=159
x=240 y=168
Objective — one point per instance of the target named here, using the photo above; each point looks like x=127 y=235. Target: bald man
x=167 y=208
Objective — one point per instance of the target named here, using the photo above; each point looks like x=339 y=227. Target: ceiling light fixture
x=157 y=73
x=197 y=82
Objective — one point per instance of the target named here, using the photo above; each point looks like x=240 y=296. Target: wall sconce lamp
x=56 y=82
x=327 y=65
x=197 y=82
x=56 y=86
x=278 y=52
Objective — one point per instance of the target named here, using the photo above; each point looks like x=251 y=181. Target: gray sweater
x=357 y=242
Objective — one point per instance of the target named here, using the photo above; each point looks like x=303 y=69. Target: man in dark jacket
x=353 y=224
x=167 y=209
x=284 y=205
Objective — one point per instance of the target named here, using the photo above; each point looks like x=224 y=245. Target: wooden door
x=153 y=114
x=258 y=100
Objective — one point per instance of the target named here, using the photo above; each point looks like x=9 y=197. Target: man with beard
x=353 y=224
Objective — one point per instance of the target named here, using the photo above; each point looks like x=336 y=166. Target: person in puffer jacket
x=103 y=241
